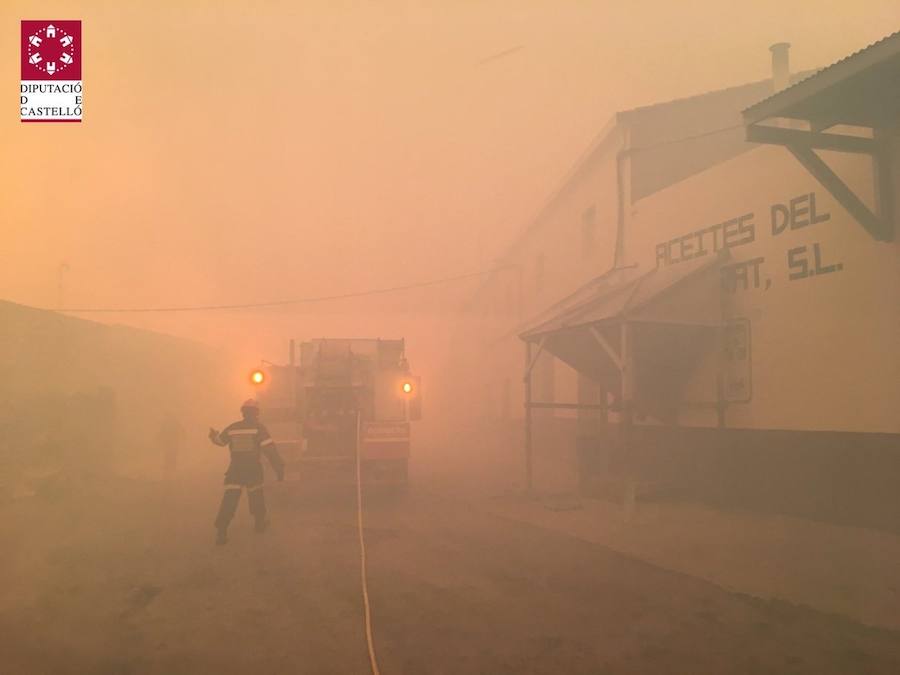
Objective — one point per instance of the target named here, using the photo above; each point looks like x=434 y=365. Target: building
x=578 y=233
x=69 y=385
x=715 y=314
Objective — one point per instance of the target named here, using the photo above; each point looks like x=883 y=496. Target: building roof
x=675 y=311
x=862 y=89
x=638 y=298
x=668 y=127
x=659 y=136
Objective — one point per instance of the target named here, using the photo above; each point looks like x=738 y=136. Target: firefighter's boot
x=221 y=536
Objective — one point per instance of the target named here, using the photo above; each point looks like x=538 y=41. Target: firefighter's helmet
x=250 y=404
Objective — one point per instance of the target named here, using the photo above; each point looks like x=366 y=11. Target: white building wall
x=821 y=297
x=818 y=343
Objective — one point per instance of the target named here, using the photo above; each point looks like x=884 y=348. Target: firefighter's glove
x=213 y=435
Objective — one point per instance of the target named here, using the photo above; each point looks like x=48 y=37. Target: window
x=588 y=231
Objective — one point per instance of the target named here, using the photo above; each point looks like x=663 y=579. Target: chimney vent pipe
x=781 y=65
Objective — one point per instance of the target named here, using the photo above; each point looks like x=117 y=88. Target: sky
x=241 y=151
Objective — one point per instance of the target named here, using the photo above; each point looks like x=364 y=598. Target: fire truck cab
x=343 y=394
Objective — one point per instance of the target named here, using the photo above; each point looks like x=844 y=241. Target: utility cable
x=278 y=303
x=682 y=139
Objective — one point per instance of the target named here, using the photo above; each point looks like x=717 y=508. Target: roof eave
x=779 y=104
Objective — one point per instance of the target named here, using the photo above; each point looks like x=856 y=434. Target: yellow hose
x=362 y=554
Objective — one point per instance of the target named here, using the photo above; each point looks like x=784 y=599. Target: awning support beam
x=840 y=191
x=822 y=124
x=803 y=144
x=811 y=139
x=884 y=185
x=529 y=366
x=598 y=336
x=532 y=361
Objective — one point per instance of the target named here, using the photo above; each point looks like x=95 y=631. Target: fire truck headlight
x=407 y=387
x=257 y=377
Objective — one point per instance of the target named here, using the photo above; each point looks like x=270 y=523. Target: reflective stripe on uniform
x=268 y=441
x=232 y=487
x=244 y=442
x=233 y=432
x=254 y=488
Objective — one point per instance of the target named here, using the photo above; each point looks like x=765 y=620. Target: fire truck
x=341 y=395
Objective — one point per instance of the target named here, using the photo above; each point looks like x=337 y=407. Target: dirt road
x=123 y=579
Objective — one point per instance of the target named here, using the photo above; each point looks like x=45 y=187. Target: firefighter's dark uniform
x=247 y=440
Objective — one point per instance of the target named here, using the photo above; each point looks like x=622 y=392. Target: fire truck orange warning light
x=257 y=377
x=407 y=387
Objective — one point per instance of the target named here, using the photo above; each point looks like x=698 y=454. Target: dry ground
x=122 y=578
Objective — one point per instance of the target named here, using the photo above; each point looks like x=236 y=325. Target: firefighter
x=246 y=440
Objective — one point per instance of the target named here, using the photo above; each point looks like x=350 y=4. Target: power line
x=280 y=303
x=682 y=139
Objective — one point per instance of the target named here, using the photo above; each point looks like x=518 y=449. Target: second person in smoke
x=247 y=440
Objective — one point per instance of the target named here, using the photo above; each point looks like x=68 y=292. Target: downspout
x=622 y=195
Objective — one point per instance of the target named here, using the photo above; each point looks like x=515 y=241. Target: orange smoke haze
x=237 y=151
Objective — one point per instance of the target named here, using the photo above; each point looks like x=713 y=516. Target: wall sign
x=801 y=262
